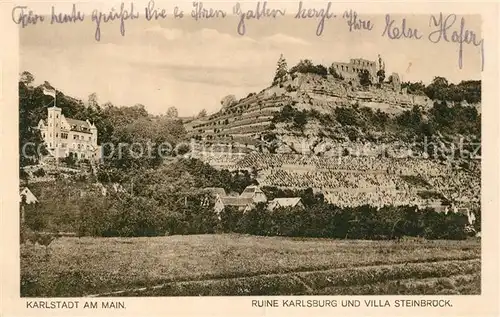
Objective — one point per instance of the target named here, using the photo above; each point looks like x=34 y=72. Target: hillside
x=311 y=108
x=351 y=137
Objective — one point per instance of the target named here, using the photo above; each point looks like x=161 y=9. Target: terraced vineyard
x=230 y=264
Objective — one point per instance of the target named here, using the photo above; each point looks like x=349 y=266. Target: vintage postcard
x=228 y=158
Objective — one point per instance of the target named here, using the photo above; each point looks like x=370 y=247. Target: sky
x=192 y=64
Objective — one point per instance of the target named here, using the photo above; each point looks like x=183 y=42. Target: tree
x=92 y=101
x=47 y=85
x=27 y=78
x=228 y=101
x=321 y=70
x=440 y=82
x=300 y=119
x=107 y=105
x=70 y=160
x=202 y=113
x=417 y=88
x=281 y=70
x=334 y=72
x=381 y=75
x=172 y=112
x=438 y=88
x=364 y=78
x=31 y=110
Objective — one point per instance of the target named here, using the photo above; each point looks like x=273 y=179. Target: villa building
x=65 y=136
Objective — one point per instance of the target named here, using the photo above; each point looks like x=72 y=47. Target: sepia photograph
x=332 y=153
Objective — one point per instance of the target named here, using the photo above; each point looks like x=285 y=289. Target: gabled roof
x=216 y=190
x=284 y=202
x=26 y=192
x=236 y=201
x=250 y=191
x=78 y=123
x=463 y=211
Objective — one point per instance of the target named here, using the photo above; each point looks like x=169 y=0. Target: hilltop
x=353 y=102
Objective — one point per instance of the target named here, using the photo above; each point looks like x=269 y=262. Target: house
x=28 y=196
x=285 y=202
x=249 y=198
x=215 y=192
x=101 y=188
x=243 y=204
x=66 y=136
x=467 y=212
x=471 y=217
x=255 y=193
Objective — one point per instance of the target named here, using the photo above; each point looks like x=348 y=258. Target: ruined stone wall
x=318 y=91
x=351 y=70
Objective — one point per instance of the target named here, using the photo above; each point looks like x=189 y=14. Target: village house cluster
x=248 y=199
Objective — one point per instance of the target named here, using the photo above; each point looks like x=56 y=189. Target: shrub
x=289 y=88
x=229 y=219
x=306 y=66
x=39 y=172
x=70 y=160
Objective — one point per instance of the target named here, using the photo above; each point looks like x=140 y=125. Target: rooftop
x=236 y=201
x=216 y=190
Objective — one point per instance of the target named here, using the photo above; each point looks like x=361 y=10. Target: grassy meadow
x=231 y=264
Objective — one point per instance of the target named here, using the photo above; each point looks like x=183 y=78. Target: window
x=50 y=115
x=57 y=116
x=64 y=135
x=90 y=138
x=57 y=135
x=81 y=137
x=43 y=134
x=50 y=134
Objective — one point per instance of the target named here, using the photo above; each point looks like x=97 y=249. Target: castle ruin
x=351 y=70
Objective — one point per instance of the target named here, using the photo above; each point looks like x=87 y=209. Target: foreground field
x=247 y=265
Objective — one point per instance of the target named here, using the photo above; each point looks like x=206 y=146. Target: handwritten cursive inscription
x=200 y=12
x=23 y=18
x=403 y=31
x=442 y=28
x=261 y=11
x=313 y=13
x=75 y=16
x=150 y=12
x=460 y=36
x=355 y=23
x=113 y=15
